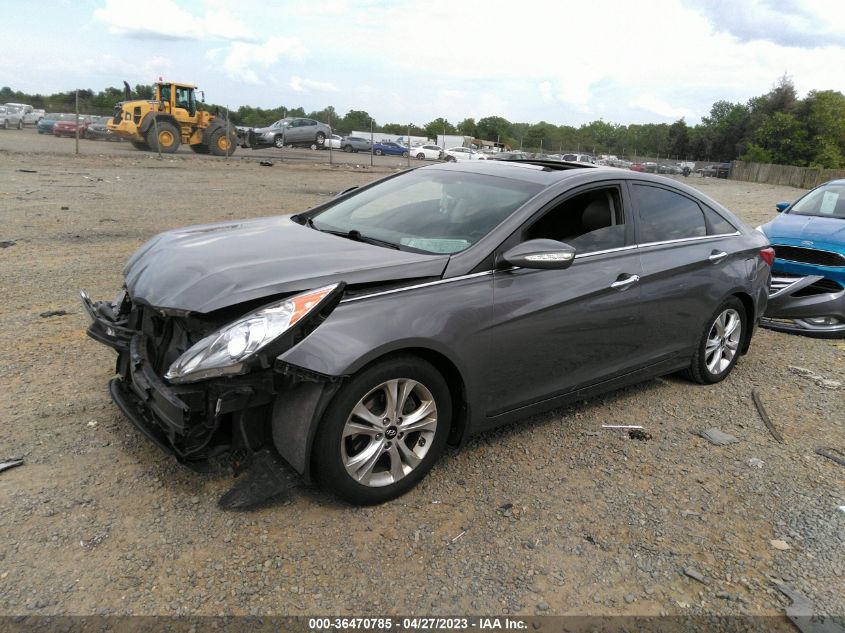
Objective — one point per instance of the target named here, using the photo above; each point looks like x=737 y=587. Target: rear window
x=664 y=215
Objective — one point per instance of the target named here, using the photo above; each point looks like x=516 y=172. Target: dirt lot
x=551 y=516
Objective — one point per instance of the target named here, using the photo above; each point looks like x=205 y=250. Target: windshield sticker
x=829 y=201
x=435 y=245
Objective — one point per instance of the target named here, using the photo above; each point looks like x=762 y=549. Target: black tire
x=451 y=159
x=221 y=145
x=347 y=149
x=329 y=442
x=199 y=148
x=163 y=136
x=404 y=154
x=140 y=145
x=279 y=142
x=6 y=124
x=378 y=152
x=420 y=156
x=20 y=124
x=320 y=139
x=698 y=370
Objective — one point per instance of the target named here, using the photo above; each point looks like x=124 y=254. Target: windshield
x=429 y=210
x=825 y=202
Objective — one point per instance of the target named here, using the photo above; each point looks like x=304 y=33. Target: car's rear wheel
x=378 y=152
x=383 y=431
x=279 y=142
x=420 y=156
x=404 y=154
x=347 y=149
x=720 y=344
x=320 y=140
x=451 y=159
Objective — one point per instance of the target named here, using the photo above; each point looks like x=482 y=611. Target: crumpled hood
x=806 y=227
x=208 y=267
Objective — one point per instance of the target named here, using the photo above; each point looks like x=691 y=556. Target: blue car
x=389 y=148
x=807 y=294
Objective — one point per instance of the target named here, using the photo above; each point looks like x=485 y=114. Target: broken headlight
x=224 y=352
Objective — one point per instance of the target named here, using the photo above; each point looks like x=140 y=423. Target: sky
x=411 y=61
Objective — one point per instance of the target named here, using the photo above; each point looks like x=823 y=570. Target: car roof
x=550 y=172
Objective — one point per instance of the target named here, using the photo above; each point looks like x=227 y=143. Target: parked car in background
x=389 y=148
x=68 y=126
x=354 y=340
x=98 y=130
x=356 y=144
x=46 y=123
x=332 y=142
x=454 y=154
x=718 y=170
x=33 y=117
x=10 y=117
x=808 y=277
x=579 y=158
x=429 y=152
x=289 y=131
x=510 y=156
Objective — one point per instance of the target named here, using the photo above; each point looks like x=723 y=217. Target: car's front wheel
x=383 y=431
x=279 y=142
x=378 y=152
x=720 y=344
x=420 y=156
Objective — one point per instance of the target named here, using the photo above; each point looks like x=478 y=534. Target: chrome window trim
x=618 y=249
x=436 y=282
x=700 y=238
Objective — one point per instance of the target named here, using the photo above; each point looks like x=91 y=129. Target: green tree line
x=776 y=127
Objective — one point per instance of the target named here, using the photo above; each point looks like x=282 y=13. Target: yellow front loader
x=172 y=117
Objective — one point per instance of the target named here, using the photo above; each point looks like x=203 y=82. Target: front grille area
x=822 y=286
x=809 y=256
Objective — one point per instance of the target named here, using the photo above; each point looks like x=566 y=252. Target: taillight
x=768 y=255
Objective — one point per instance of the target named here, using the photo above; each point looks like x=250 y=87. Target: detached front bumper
x=810 y=305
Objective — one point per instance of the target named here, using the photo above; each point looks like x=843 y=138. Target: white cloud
x=244 y=61
x=165 y=20
x=652 y=104
x=298 y=84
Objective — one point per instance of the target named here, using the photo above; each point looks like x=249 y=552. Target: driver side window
x=590 y=221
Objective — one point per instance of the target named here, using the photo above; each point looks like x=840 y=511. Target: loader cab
x=177 y=97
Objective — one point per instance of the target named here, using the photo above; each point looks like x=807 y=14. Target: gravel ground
x=550 y=516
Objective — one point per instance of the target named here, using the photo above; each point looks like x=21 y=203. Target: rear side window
x=664 y=215
x=716 y=224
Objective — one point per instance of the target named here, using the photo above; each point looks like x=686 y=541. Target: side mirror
x=781 y=206
x=541 y=253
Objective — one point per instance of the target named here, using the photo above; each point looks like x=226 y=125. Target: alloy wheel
x=723 y=341
x=389 y=432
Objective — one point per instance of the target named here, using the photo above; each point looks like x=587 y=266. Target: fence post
x=77 y=122
x=371 y=142
x=228 y=136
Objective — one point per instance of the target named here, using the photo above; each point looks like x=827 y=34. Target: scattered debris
x=458 y=536
x=52 y=313
x=266 y=163
x=268 y=478
x=842 y=508
x=756 y=462
x=780 y=544
x=92 y=424
x=27 y=171
x=800 y=612
x=765 y=417
x=11 y=463
x=831 y=453
x=693 y=573
x=820 y=380
x=621 y=426
x=505 y=506
x=717 y=437
x=93 y=542
x=65 y=208
x=7 y=243
x=637 y=434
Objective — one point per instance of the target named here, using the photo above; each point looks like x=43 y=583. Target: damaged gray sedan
x=351 y=342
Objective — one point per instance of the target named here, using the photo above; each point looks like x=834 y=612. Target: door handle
x=717 y=256
x=623 y=284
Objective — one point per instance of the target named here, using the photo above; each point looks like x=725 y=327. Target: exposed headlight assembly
x=224 y=352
